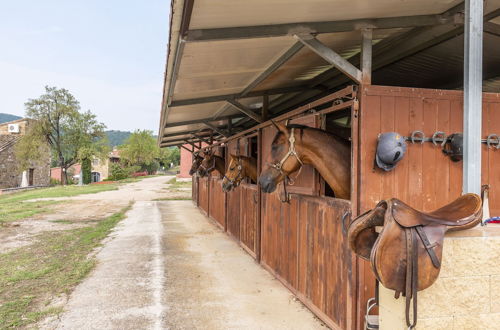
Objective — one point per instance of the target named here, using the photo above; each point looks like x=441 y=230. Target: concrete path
x=167 y=266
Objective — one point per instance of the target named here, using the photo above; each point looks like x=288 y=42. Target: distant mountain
x=5 y=117
x=117 y=138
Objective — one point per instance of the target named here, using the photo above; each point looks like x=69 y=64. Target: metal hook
x=417 y=136
x=439 y=137
x=493 y=139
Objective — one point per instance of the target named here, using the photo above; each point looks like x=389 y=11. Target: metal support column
x=473 y=78
x=366 y=56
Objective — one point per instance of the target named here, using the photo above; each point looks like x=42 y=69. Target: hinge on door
x=355 y=108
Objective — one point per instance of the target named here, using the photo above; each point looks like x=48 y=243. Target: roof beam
x=201 y=138
x=492 y=28
x=331 y=57
x=240 y=107
x=187 y=141
x=273 y=67
x=182 y=146
x=178 y=134
x=216 y=129
x=204 y=120
x=278 y=30
x=221 y=98
x=385 y=53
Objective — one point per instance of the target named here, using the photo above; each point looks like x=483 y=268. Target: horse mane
x=304 y=127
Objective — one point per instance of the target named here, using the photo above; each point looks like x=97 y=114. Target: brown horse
x=296 y=145
x=197 y=159
x=211 y=162
x=240 y=167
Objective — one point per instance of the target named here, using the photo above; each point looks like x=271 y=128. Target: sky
x=110 y=54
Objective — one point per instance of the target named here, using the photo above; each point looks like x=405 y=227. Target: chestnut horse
x=296 y=145
x=240 y=167
x=211 y=162
x=197 y=159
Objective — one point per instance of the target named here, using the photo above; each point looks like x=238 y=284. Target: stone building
x=11 y=175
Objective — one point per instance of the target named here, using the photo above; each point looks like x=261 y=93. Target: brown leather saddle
x=405 y=246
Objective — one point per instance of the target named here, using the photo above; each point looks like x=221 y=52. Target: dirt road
x=166 y=266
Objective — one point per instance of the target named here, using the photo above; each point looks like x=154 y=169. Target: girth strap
x=411 y=276
x=428 y=246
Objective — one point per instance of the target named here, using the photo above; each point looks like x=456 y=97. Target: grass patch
x=31 y=276
x=179 y=198
x=12 y=207
x=178 y=184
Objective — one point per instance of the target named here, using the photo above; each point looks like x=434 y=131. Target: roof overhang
x=228 y=60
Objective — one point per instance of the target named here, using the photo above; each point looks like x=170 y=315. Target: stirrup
x=371 y=321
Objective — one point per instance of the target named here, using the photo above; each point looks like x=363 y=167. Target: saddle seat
x=406 y=255
x=455 y=214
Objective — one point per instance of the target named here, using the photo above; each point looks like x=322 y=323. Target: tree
x=140 y=149
x=169 y=156
x=72 y=135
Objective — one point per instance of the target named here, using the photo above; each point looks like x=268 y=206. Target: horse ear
x=280 y=127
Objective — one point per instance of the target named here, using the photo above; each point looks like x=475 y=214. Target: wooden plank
x=402 y=126
x=442 y=172
x=415 y=153
x=494 y=161
x=429 y=156
x=387 y=124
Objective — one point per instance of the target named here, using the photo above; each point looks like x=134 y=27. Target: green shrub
x=54 y=182
x=87 y=171
x=117 y=172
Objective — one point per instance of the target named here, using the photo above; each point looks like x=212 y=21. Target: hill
x=5 y=117
x=117 y=138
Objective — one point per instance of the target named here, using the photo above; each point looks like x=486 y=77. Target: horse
x=197 y=159
x=211 y=162
x=240 y=167
x=296 y=145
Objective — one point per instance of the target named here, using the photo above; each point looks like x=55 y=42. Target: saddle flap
x=362 y=232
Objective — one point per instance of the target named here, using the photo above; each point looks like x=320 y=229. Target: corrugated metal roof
x=220 y=50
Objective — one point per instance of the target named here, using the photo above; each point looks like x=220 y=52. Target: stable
x=353 y=68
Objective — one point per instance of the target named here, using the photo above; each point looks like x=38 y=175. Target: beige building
x=11 y=175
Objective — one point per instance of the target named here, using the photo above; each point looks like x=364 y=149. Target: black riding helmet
x=391 y=148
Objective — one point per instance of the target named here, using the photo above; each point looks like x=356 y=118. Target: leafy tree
x=140 y=149
x=169 y=156
x=72 y=135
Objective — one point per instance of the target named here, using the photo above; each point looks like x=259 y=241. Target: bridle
x=237 y=180
x=279 y=165
x=211 y=168
x=291 y=152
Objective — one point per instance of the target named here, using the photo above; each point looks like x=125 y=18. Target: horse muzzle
x=267 y=184
x=227 y=186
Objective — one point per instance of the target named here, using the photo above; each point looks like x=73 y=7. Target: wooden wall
x=217 y=201
x=302 y=242
x=203 y=191
x=425 y=178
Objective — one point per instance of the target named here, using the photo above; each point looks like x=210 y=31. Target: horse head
x=197 y=158
x=285 y=158
x=207 y=163
x=234 y=174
